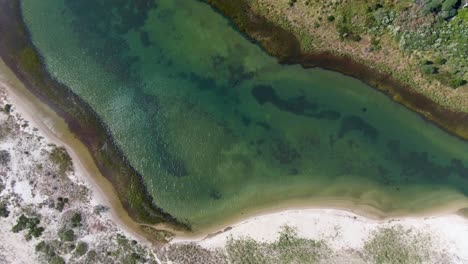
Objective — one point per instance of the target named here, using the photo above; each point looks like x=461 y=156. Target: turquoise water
x=217 y=127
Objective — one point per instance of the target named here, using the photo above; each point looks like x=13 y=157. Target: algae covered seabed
x=218 y=129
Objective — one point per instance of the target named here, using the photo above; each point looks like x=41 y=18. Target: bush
x=4 y=157
x=76 y=219
x=60 y=157
x=61 y=203
x=440 y=61
x=4 y=210
x=457 y=82
x=67 y=235
x=91 y=256
x=21 y=224
x=427 y=62
x=433 y=6
x=81 y=248
x=331 y=18
x=449 y=5
x=32 y=224
x=292 y=2
x=57 y=260
x=429 y=69
x=35 y=231
x=355 y=37
x=7 y=108
x=45 y=248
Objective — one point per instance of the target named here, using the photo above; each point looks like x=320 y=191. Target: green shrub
x=32 y=224
x=440 y=61
x=5 y=157
x=133 y=258
x=91 y=256
x=21 y=224
x=355 y=37
x=66 y=235
x=7 y=108
x=81 y=248
x=4 y=210
x=61 y=203
x=427 y=62
x=35 y=231
x=449 y=5
x=429 y=69
x=331 y=18
x=60 y=157
x=57 y=260
x=292 y=2
x=433 y=6
x=45 y=248
x=76 y=219
x=457 y=82
x=40 y=247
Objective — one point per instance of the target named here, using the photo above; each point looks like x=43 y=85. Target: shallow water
x=217 y=127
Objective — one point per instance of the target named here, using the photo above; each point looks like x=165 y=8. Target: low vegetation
x=398 y=245
x=31 y=224
x=60 y=157
x=5 y=157
x=387 y=245
x=4 y=212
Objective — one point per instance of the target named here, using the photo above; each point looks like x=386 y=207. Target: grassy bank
x=334 y=37
x=18 y=52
